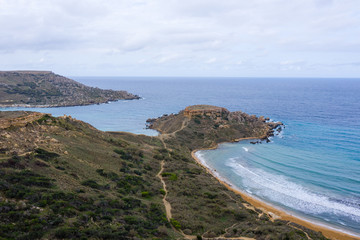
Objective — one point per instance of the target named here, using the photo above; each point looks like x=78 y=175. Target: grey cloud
x=175 y=32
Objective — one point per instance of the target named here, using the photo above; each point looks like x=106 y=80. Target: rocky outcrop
x=18 y=120
x=205 y=110
x=24 y=131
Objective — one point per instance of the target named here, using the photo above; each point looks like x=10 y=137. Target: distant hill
x=46 y=89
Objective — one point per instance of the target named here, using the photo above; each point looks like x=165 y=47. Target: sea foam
x=279 y=189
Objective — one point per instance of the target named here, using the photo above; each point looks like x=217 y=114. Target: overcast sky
x=238 y=38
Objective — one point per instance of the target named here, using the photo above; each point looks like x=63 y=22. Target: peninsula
x=46 y=89
x=61 y=178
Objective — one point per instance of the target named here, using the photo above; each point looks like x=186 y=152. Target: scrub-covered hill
x=61 y=178
x=204 y=126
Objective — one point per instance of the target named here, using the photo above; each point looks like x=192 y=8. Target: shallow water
x=312 y=168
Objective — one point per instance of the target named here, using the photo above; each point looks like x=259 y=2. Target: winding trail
x=307 y=235
x=161 y=137
x=167 y=135
x=166 y=203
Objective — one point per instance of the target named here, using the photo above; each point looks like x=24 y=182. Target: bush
x=29 y=178
x=175 y=223
x=91 y=183
x=210 y=195
x=110 y=175
x=45 y=155
x=145 y=194
x=172 y=176
x=131 y=220
x=130 y=203
x=124 y=155
x=66 y=232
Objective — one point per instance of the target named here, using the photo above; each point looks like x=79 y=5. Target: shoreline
x=271 y=210
x=9 y=106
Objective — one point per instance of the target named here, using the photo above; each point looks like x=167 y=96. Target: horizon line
x=123 y=76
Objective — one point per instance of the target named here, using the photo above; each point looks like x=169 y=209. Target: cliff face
x=205 y=110
x=46 y=89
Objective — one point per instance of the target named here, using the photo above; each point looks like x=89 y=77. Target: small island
x=46 y=89
x=63 y=179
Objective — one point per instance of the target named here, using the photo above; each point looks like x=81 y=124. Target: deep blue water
x=312 y=169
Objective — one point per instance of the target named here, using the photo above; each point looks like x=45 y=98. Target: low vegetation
x=72 y=181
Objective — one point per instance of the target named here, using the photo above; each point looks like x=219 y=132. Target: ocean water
x=311 y=169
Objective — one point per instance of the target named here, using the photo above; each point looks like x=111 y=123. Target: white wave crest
x=279 y=189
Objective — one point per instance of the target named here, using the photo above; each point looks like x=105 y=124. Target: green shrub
x=66 y=232
x=91 y=183
x=145 y=194
x=131 y=220
x=210 y=195
x=45 y=155
x=44 y=118
x=175 y=223
x=130 y=203
x=172 y=176
x=124 y=155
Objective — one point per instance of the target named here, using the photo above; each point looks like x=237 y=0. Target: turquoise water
x=311 y=169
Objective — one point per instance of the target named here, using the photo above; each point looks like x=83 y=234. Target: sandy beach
x=272 y=211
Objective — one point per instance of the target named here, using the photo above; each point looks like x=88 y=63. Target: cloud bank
x=259 y=38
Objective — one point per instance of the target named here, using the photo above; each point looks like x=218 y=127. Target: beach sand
x=274 y=212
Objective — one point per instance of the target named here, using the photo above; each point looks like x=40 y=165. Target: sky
x=230 y=38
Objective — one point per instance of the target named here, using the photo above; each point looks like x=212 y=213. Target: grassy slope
x=73 y=181
x=83 y=189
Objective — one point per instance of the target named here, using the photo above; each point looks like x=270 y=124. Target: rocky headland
x=207 y=125
x=46 y=89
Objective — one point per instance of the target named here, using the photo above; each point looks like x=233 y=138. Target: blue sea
x=311 y=169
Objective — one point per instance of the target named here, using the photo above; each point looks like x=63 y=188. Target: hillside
x=46 y=89
x=61 y=178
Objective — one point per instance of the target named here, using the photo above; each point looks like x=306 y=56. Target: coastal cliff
x=46 y=89
x=60 y=178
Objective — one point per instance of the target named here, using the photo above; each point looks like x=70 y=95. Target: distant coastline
x=58 y=106
x=273 y=212
x=45 y=89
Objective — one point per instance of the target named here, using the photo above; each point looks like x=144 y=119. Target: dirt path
x=166 y=203
x=307 y=235
x=183 y=125
x=161 y=137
